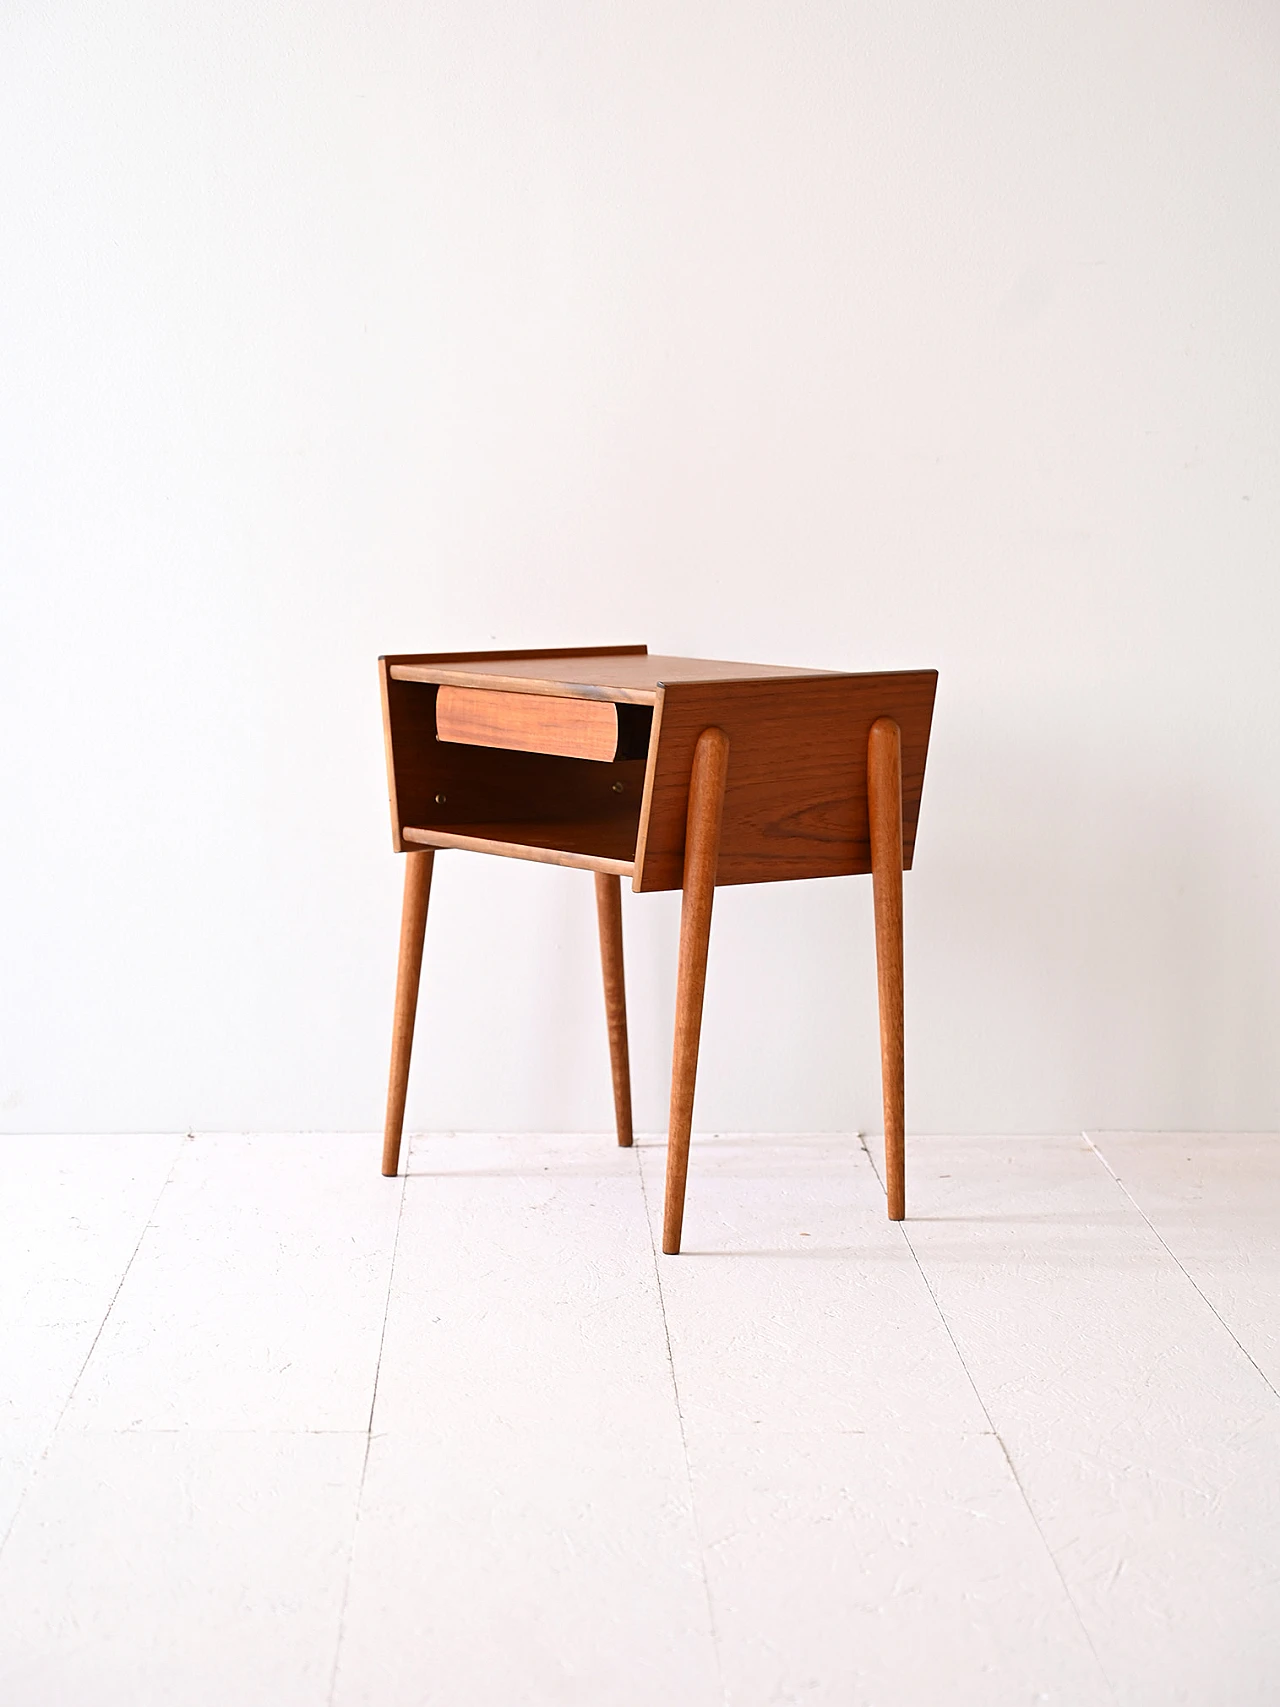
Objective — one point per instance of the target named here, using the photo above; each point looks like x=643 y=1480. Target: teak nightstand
x=679 y=773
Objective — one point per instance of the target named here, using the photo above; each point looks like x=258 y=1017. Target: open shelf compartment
x=543 y=806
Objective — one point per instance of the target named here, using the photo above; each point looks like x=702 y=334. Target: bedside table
x=679 y=773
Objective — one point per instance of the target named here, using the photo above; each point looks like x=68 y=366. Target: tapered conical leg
x=701 y=856
x=609 y=908
x=884 y=799
x=413 y=925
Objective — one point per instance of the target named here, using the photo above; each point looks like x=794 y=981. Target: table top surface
x=626 y=676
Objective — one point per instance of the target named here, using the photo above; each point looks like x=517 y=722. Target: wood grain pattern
x=624 y=675
x=884 y=800
x=538 y=656
x=609 y=913
x=617 y=762
x=796 y=804
x=393 y=735
x=541 y=843
x=413 y=925
x=702 y=846
x=528 y=722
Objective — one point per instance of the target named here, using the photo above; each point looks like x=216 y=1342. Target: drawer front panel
x=528 y=722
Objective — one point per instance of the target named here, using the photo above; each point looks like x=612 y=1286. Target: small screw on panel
x=440 y=799
x=617 y=788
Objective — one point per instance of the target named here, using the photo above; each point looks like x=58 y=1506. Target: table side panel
x=796 y=801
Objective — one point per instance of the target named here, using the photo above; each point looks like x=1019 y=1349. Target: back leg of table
x=701 y=856
x=609 y=909
x=884 y=801
x=413 y=925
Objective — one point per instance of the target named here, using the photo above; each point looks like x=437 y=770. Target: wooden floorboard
x=280 y=1430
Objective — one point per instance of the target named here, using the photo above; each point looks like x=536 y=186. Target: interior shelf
x=586 y=847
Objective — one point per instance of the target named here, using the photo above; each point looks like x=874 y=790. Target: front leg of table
x=884 y=803
x=413 y=925
x=702 y=852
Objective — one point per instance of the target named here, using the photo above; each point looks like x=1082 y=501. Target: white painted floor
x=276 y=1430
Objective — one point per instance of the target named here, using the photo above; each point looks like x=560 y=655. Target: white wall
x=854 y=335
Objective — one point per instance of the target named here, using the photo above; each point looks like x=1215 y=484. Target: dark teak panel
x=796 y=799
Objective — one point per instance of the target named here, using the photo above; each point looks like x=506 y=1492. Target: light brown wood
x=797 y=800
x=609 y=911
x=394 y=748
x=624 y=674
x=701 y=854
x=528 y=722
x=413 y=925
x=884 y=801
x=526 y=845
x=826 y=780
x=796 y=803
x=538 y=656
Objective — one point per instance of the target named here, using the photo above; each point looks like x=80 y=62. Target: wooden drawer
x=542 y=723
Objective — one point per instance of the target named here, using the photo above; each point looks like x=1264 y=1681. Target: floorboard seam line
x=1017 y=1480
x=84 y=1362
x=368 y=1438
x=1186 y=1274
x=684 y=1439
x=386 y=1309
